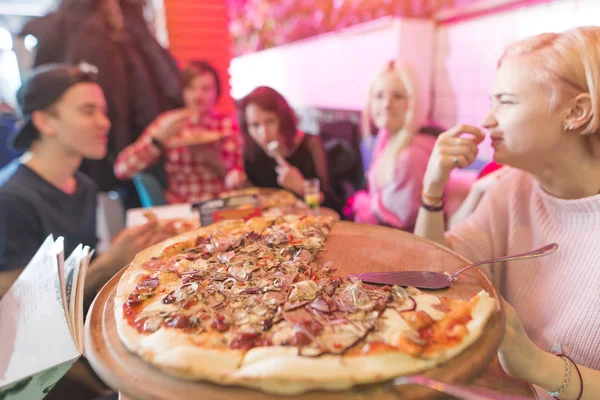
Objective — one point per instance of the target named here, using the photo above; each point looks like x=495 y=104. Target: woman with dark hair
x=199 y=169
x=276 y=153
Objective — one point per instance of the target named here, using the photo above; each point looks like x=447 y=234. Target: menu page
x=34 y=330
x=72 y=267
x=79 y=289
x=36 y=386
x=59 y=251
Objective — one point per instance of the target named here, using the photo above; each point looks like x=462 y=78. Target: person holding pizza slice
x=202 y=148
x=545 y=124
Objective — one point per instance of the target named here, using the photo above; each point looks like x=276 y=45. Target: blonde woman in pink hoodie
x=544 y=123
x=400 y=153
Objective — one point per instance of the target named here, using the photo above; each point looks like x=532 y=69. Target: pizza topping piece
x=154 y=264
x=330 y=284
x=266 y=325
x=152 y=324
x=215 y=300
x=342 y=334
x=179 y=321
x=222 y=242
x=417 y=320
x=183 y=295
x=402 y=304
x=148 y=283
x=244 y=340
x=303 y=255
x=304 y=291
x=276 y=237
x=274 y=298
x=323 y=305
x=353 y=298
x=225 y=257
x=241 y=317
x=219 y=323
x=144 y=290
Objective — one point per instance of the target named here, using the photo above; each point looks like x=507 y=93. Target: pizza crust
x=280 y=370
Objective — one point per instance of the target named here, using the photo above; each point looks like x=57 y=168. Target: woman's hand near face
x=451 y=150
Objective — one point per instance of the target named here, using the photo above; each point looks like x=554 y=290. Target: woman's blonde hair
x=569 y=63
x=383 y=168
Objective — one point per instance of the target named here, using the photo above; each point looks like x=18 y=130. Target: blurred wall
x=468 y=49
x=198 y=30
x=334 y=70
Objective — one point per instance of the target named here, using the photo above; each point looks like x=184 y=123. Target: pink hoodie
x=397 y=203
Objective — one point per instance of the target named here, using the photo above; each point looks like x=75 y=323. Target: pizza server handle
x=542 y=251
x=457 y=391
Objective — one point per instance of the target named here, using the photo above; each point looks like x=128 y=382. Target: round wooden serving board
x=352 y=248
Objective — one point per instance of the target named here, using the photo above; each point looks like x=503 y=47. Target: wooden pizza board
x=352 y=248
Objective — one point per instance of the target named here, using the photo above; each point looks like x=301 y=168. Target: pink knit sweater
x=557 y=297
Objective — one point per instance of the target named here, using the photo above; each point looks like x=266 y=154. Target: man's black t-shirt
x=31 y=208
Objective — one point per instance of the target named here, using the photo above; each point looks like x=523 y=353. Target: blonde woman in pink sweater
x=400 y=152
x=545 y=123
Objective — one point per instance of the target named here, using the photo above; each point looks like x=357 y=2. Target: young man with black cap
x=41 y=193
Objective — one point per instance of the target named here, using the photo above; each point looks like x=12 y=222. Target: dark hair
x=196 y=68
x=270 y=100
x=40 y=91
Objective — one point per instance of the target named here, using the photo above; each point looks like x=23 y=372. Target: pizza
x=191 y=139
x=267 y=197
x=173 y=226
x=248 y=303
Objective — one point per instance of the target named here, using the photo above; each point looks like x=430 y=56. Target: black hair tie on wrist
x=436 y=208
x=157 y=144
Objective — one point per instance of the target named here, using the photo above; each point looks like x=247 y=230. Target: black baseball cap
x=44 y=86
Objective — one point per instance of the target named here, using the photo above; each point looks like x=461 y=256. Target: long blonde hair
x=383 y=168
x=569 y=64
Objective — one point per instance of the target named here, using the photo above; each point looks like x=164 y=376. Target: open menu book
x=41 y=321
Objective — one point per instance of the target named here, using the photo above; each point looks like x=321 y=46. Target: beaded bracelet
x=566 y=358
x=566 y=381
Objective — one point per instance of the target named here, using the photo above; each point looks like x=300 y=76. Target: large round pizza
x=246 y=303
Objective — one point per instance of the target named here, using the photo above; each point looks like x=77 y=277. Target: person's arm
x=319 y=156
x=521 y=358
x=361 y=208
x=100 y=271
x=146 y=150
x=7 y=278
x=397 y=203
x=479 y=188
x=124 y=247
x=233 y=157
x=451 y=151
